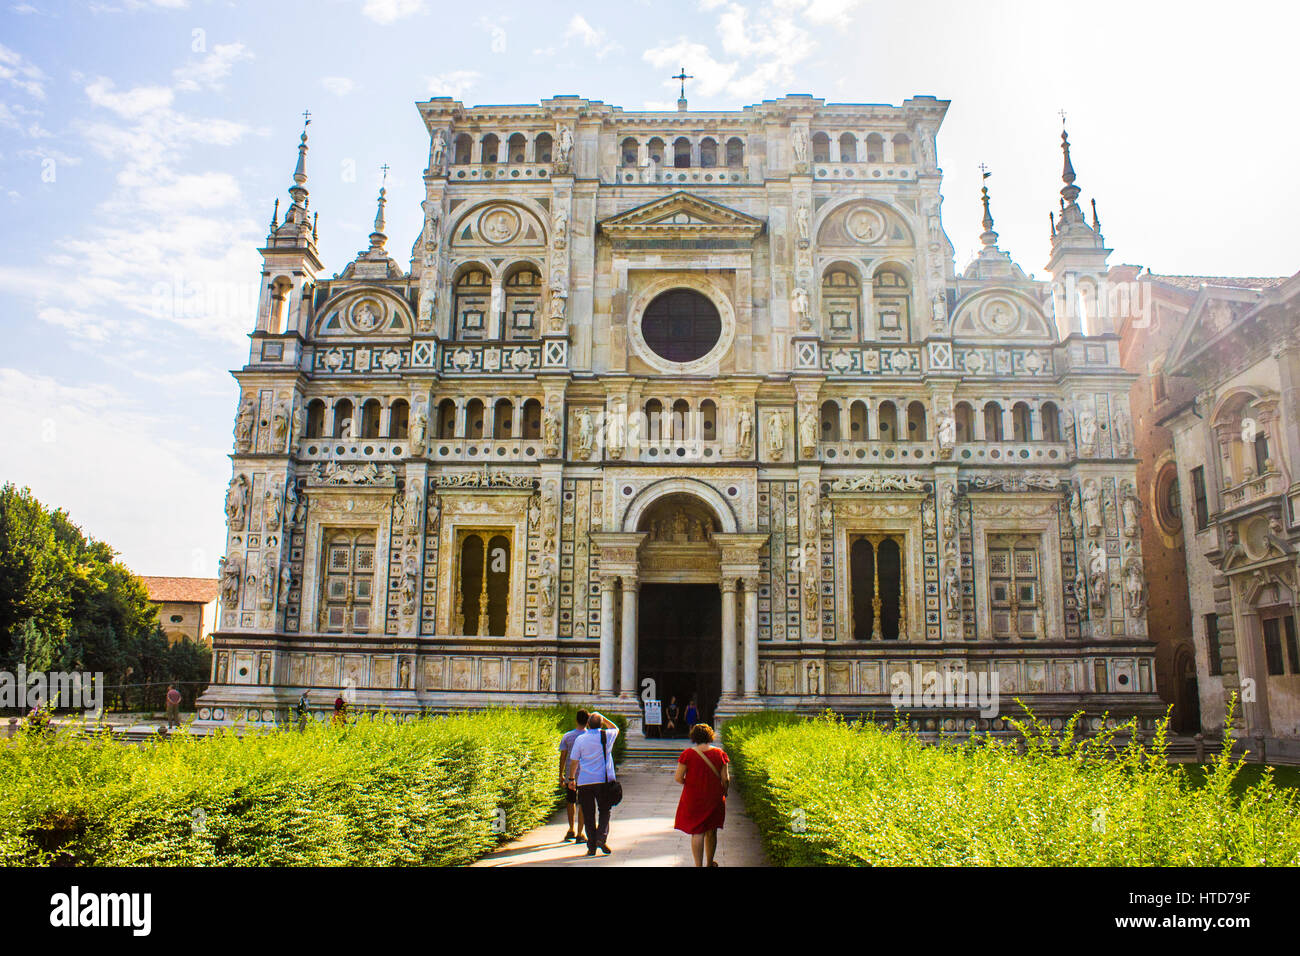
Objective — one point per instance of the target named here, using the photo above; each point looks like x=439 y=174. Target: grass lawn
x=1249 y=775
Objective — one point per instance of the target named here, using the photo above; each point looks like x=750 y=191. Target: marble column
x=751 y=637
x=607 y=636
x=728 y=637
x=627 y=676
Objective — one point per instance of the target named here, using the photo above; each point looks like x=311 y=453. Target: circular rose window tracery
x=681 y=325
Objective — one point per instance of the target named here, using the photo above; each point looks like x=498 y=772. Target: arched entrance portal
x=680 y=629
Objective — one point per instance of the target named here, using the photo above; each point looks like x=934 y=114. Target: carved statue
x=299 y=427
x=264 y=668
x=828 y=516
x=550 y=434
x=269 y=577
x=237 y=502
x=799 y=305
x=614 y=431
x=544 y=676
x=413 y=510
x=559 y=295
x=437 y=150
x=799 y=142
x=546 y=586
x=949 y=506
x=939 y=311
x=808 y=432
x=814 y=678
x=1092 y=522
x=1135 y=586
x=560 y=227
x=286 y=581
x=564 y=146
x=399 y=512
x=291 y=504
x=1067 y=420
x=280 y=420
x=1076 y=509
x=946 y=433
x=952 y=590
x=1130 y=509
x=404 y=674
x=232 y=574
x=1080 y=594
x=410 y=586
x=745 y=433
x=1098 y=578
x=419 y=428
x=223 y=663
x=1087 y=432
x=1122 y=432
x=586 y=434
x=803 y=221
x=550 y=516
x=244 y=425
x=775 y=434
x=434 y=518
x=273 y=503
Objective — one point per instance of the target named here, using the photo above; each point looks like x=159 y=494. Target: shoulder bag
x=612 y=787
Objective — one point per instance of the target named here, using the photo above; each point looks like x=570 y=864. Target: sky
x=143 y=143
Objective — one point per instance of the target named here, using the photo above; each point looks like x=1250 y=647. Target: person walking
x=340 y=710
x=173 y=707
x=591 y=770
x=304 y=710
x=571 y=789
x=702 y=809
x=692 y=715
x=671 y=714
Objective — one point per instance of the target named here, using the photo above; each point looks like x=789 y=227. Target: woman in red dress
x=702 y=771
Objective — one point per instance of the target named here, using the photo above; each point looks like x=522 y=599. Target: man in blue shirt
x=590 y=767
x=570 y=789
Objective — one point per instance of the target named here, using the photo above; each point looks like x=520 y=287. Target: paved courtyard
x=641 y=831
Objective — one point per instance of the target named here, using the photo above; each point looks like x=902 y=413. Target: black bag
x=612 y=787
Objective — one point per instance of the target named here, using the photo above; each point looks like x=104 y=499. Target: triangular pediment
x=1212 y=316
x=682 y=215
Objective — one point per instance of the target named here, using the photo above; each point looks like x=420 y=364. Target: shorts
x=570 y=795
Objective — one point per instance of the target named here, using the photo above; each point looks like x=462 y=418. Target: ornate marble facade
x=638 y=352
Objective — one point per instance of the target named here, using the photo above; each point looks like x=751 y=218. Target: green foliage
x=372 y=792
x=67 y=603
x=829 y=792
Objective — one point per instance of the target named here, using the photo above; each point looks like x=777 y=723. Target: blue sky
x=142 y=145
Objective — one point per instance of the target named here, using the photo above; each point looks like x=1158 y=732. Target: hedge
x=375 y=792
x=827 y=792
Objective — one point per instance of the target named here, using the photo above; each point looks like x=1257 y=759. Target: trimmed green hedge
x=827 y=792
x=374 y=792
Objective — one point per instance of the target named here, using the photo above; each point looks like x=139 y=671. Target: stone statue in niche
x=437 y=150
x=429 y=267
x=535 y=512
x=223 y=664
x=366 y=318
x=1098 y=576
x=268 y=582
x=550 y=516
x=1080 y=594
x=1130 y=510
x=808 y=432
x=544 y=676
x=1076 y=509
x=1087 y=432
x=404 y=674
x=945 y=433
x=1092 y=520
x=939 y=312
x=803 y=222
x=299 y=427
x=286 y=581
x=1135 y=587
x=244 y=425
x=399 y=512
x=280 y=420
x=410 y=586
x=273 y=503
x=745 y=433
x=564 y=146
x=291 y=504
x=586 y=434
x=614 y=431
x=799 y=143
x=419 y=428
x=264 y=668
x=559 y=296
x=952 y=591
x=1067 y=424
x=1122 y=432
x=551 y=434
x=546 y=586
x=434 y=518
x=828 y=517
x=799 y=306
x=948 y=506
x=232 y=573
x=237 y=502
x=814 y=672
x=775 y=435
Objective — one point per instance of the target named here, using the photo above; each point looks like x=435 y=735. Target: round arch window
x=681 y=325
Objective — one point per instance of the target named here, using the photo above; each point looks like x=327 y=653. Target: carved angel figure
x=1092 y=521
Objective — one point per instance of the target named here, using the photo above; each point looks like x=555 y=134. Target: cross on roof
x=385 y=170
x=306 y=117
x=1062 y=115
x=683 y=76
x=986 y=171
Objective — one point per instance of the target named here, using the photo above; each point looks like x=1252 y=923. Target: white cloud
x=24 y=120
x=389 y=11
x=207 y=72
x=454 y=83
x=156 y=492
x=338 y=85
x=132 y=104
x=18 y=71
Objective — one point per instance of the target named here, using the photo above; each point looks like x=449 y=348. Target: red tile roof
x=184 y=590
x=1194 y=283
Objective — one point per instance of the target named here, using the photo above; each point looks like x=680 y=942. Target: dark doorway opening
x=680 y=645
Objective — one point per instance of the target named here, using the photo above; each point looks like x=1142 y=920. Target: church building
x=685 y=404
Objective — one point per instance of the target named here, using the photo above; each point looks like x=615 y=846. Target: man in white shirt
x=590 y=767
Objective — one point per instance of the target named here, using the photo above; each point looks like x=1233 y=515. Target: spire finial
x=988 y=237
x=1070 y=192
x=377 y=238
x=1096 y=223
x=275 y=214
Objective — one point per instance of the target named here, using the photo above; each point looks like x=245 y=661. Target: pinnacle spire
x=378 y=239
x=295 y=217
x=1070 y=192
x=988 y=237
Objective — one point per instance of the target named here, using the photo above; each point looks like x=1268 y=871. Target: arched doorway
x=1187 y=696
x=680 y=627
